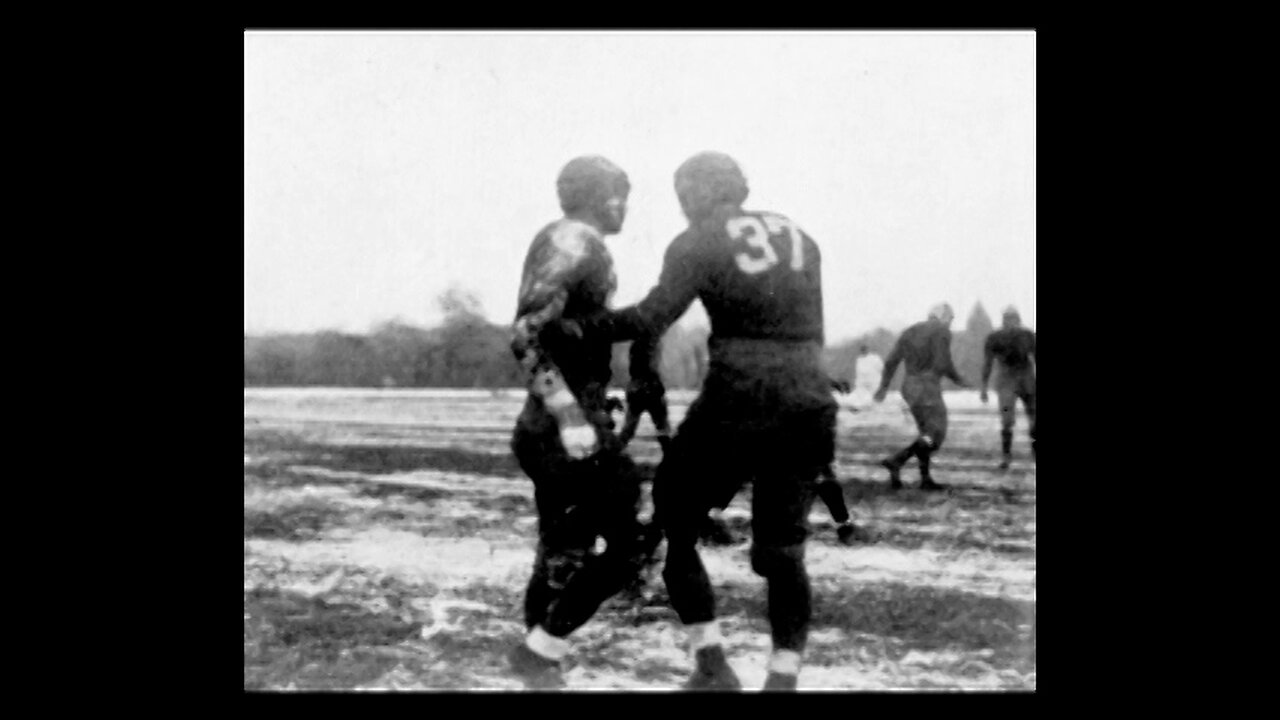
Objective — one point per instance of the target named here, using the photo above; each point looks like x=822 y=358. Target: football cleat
x=895 y=480
x=780 y=682
x=713 y=673
x=537 y=672
x=849 y=533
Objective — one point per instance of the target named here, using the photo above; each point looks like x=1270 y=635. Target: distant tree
x=966 y=346
x=979 y=322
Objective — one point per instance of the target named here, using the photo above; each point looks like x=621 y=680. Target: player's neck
x=588 y=219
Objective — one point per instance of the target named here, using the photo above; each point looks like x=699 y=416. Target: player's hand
x=879 y=396
x=579 y=440
x=983 y=396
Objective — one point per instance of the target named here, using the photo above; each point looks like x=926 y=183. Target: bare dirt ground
x=388 y=537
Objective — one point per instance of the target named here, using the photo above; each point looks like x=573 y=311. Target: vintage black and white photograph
x=630 y=361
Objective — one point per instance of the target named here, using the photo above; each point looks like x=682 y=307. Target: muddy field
x=388 y=537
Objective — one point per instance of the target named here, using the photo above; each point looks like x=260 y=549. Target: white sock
x=704 y=635
x=784 y=662
x=546 y=644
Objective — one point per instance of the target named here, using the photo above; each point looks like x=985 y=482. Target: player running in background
x=925 y=350
x=831 y=492
x=1014 y=347
x=646 y=393
x=765 y=413
x=584 y=486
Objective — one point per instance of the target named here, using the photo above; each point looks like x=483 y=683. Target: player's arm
x=676 y=290
x=890 y=367
x=645 y=390
x=943 y=340
x=543 y=296
x=988 y=360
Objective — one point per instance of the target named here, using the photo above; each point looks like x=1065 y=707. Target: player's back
x=761 y=276
x=568 y=263
x=925 y=348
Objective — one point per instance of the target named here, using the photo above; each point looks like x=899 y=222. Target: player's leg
x=1006 y=394
x=608 y=508
x=933 y=433
x=563 y=545
x=1028 y=397
x=832 y=495
x=912 y=392
x=920 y=413
x=658 y=412
x=782 y=494
x=684 y=490
x=629 y=425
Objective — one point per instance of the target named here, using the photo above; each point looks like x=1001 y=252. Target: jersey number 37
x=765 y=233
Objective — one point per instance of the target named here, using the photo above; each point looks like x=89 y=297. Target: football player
x=1015 y=348
x=646 y=394
x=584 y=486
x=765 y=413
x=832 y=495
x=925 y=350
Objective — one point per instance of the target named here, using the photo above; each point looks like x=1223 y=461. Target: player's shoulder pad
x=573 y=238
x=684 y=244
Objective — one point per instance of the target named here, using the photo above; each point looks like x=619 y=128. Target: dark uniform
x=1014 y=348
x=568 y=274
x=765 y=413
x=925 y=350
x=645 y=393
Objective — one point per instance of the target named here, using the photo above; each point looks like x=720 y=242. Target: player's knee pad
x=770 y=560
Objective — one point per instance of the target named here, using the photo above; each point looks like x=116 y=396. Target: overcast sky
x=382 y=168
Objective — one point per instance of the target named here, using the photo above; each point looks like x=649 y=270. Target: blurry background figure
x=1014 y=347
x=867 y=372
x=646 y=394
x=925 y=350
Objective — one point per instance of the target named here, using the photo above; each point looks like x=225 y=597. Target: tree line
x=468 y=351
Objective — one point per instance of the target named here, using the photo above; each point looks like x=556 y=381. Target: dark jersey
x=644 y=354
x=925 y=349
x=568 y=274
x=1013 y=347
x=758 y=275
